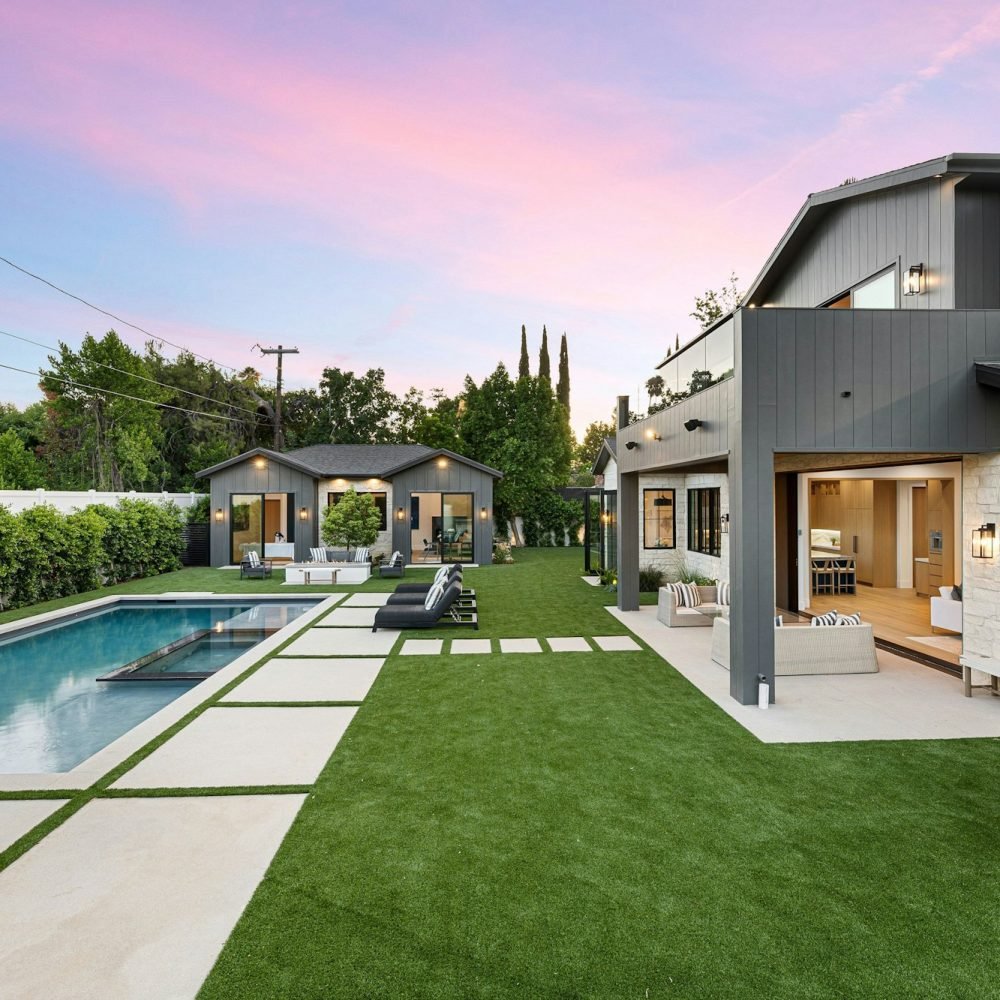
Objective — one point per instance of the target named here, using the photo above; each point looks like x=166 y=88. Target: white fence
x=66 y=501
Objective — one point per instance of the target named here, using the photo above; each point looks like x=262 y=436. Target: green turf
x=589 y=825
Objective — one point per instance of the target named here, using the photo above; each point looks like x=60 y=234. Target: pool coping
x=100 y=763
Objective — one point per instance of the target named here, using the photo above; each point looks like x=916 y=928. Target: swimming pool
x=55 y=713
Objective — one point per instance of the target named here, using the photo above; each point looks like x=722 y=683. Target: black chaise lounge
x=445 y=611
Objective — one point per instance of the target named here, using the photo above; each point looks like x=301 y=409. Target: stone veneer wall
x=672 y=561
x=981 y=577
x=383 y=544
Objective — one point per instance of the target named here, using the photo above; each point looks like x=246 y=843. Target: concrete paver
x=421 y=647
x=287 y=679
x=471 y=646
x=135 y=897
x=233 y=747
x=617 y=644
x=18 y=817
x=350 y=617
x=569 y=644
x=520 y=646
x=342 y=642
x=366 y=600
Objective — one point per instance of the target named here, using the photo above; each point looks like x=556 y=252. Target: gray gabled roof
x=608 y=452
x=820 y=204
x=359 y=461
x=352 y=461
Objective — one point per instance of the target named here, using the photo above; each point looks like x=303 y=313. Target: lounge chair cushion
x=433 y=595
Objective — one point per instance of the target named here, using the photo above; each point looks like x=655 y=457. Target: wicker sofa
x=804 y=649
x=673 y=616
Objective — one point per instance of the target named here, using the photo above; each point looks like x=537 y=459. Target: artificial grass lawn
x=589 y=825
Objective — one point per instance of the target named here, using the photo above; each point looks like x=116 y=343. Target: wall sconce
x=651 y=435
x=630 y=445
x=400 y=514
x=483 y=513
x=442 y=463
x=605 y=518
x=219 y=515
x=693 y=424
x=260 y=463
x=725 y=524
x=984 y=541
x=303 y=513
x=913 y=284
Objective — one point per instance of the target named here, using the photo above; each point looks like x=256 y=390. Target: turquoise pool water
x=54 y=713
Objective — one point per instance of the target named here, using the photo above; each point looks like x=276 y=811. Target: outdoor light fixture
x=442 y=463
x=631 y=445
x=914 y=282
x=219 y=516
x=260 y=463
x=400 y=514
x=983 y=541
x=725 y=524
x=483 y=514
x=303 y=513
x=653 y=436
x=663 y=502
x=693 y=424
x=605 y=517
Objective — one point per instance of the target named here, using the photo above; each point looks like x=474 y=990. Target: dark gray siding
x=273 y=478
x=913 y=224
x=977 y=249
x=455 y=477
x=910 y=380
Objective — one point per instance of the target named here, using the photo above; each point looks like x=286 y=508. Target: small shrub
x=502 y=553
x=609 y=579
x=690 y=576
x=650 y=579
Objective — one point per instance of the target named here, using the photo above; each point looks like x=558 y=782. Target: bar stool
x=823 y=576
x=845 y=576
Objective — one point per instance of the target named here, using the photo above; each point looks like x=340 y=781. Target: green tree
x=562 y=386
x=715 y=304
x=544 y=367
x=440 y=425
x=353 y=520
x=19 y=469
x=587 y=450
x=523 y=367
x=346 y=409
x=97 y=439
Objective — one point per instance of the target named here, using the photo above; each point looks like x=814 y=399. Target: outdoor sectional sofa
x=806 y=649
x=672 y=616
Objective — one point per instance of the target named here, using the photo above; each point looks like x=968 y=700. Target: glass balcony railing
x=705 y=361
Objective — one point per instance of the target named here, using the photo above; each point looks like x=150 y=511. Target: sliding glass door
x=441 y=527
x=259 y=519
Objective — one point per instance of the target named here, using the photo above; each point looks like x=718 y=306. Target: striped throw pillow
x=688 y=595
x=253 y=557
x=433 y=595
x=830 y=618
x=722 y=597
x=317 y=555
x=361 y=555
x=778 y=621
x=854 y=619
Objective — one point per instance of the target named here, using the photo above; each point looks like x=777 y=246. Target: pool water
x=54 y=713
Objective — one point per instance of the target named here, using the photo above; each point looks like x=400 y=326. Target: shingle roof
x=357 y=460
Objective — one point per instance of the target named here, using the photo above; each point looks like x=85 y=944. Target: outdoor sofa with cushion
x=439 y=609
x=802 y=649
x=946 y=610
x=668 y=612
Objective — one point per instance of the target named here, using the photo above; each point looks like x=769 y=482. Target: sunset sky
x=403 y=185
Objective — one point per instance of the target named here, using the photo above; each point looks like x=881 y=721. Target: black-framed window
x=705 y=521
x=380 y=502
x=659 y=527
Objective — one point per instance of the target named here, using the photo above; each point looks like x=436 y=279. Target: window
x=705 y=521
x=379 y=498
x=658 y=530
x=878 y=292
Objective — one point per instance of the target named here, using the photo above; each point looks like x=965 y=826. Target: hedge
x=45 y=554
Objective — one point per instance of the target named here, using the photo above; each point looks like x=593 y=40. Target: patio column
x=751 y=512
x=628 y=541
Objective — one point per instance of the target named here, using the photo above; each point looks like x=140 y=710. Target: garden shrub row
x=45 y=554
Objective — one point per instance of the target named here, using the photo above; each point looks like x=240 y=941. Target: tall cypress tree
x=523 y=369
x=562 y=386
x=544 y=367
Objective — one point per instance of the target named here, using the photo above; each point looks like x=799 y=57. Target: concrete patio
x=903 y=701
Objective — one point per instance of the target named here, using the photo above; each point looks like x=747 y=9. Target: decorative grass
x=589 y=825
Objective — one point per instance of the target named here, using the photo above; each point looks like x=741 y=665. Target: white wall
x=671 y=561
x=67 y=501
x=981 y=577
x=383 y=544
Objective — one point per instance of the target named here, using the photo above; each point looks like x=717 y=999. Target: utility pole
x=280 y=351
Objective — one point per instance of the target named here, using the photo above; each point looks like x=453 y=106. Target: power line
x=144 y=378
x=117 y=319
x=124 y=395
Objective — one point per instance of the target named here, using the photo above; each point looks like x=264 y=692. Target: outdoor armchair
x=253 y=566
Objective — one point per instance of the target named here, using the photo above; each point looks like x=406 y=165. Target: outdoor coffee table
x=307 y=573
x=710 y=612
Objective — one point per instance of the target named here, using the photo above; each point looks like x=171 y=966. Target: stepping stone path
x=571 y=644
x=617 y=644
x=556 y=644
x=520 y=646
x=471 y=646
x=422 y=647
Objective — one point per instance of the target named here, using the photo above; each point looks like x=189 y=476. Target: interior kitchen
x=883 y=542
